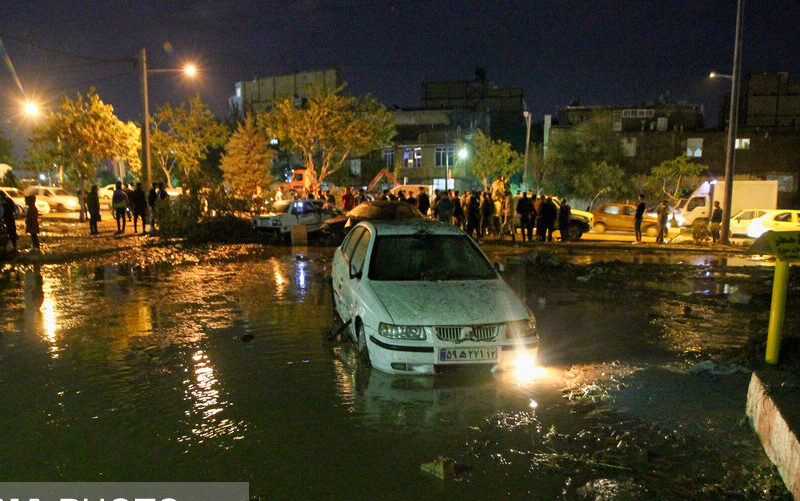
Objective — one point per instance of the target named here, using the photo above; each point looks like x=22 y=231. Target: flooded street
x=191 y=368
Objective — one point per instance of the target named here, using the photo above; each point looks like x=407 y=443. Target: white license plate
x=464 y=355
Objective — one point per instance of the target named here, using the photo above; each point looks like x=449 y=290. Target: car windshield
x=281 y=206
x=428 y=257
x=60 y=192
x=12 y=192
x=389 y=211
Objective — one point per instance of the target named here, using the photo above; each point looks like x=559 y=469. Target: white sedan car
x=287 y=213
x=776 y=220
x=741 y=221
x=419 y=295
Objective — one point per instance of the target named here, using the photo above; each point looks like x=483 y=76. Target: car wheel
x=361 y=344
x=60 y=208
x=599 y=228
x=651 y=231
x=574 y=232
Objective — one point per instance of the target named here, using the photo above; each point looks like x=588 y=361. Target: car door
x=783 y=221
x=628 y=214
x=340 y=274
x=313 y=216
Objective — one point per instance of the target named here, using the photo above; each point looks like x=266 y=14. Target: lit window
x=743 y=143
x=412 y=158
x=694 y=147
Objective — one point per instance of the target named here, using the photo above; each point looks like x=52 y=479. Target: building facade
x=260 y=94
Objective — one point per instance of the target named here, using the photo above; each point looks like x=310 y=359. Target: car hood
x=450 y=302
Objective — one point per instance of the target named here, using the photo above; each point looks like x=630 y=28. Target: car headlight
x=414 y=332
x=72 y=203
x=521 y=328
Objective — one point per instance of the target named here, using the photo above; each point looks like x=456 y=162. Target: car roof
x=411 y=227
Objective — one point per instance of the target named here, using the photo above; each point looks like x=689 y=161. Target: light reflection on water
x=222 y=371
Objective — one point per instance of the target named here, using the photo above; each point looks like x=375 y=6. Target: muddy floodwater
x=223 y=370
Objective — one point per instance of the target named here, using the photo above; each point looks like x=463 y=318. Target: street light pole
x=525 y=175
x=733 y=119
x=146 y=124
x=190 y=70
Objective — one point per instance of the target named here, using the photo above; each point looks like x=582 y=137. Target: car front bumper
x=395 y=357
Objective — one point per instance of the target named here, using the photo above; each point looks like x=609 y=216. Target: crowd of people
x=128 y=204
x=490 y=212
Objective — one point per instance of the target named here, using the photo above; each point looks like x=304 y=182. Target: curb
x=773 y=427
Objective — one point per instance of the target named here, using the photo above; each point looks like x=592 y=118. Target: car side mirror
x=355 y=273
x=499 y=267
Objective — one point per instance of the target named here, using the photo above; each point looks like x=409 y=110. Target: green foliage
x=576 y=151
x=7 y=155
x=671 y=177
x=9 y=179
x=182 y=218
x=178 y=218
x=329 y=129
x=492 y=159
x=247 y=160
x=81 y=133
x=182 y=138
x=700 y=231
x=601 y=179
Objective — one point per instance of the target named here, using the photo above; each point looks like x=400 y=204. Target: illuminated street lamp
x=189 y=70
x=463 y=153
x=714 y=74
x=31 y=109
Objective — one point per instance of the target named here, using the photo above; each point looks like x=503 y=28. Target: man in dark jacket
x=9 y=213
x=525 y=211
x=549 y=220
x=138 y=206
x=637 y=218
x=152 y=198
x=423 y=201
x=563 y=219
x=93 y=206
x=474 y=215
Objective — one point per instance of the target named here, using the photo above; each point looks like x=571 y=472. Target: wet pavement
x=215 y=363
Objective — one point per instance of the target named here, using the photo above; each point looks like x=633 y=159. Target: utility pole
x=146 y=124
x=525 y=175
x=733 y=120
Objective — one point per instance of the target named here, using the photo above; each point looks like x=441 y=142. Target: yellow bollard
x=777 y=310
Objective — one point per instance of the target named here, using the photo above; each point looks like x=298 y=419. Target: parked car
x=580 y=221
x=741 y=221
x=19 y=199
x=421 y=295
x=616 y=216
x=58 y=198
x=287 y=213
x=379 y=210
x=776 y=220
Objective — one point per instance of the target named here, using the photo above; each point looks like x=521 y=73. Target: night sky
x=615 y=52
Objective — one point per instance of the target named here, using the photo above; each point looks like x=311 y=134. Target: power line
x=66 y=53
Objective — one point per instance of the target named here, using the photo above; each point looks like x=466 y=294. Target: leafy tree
x=247 y=160
x=81 y=133
x=544 y=170
x=670 y=176
x=6 y=150
x=492 y=159
x=580 y=148
x=183 y=136
x=329 y=129
x=601 y=179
